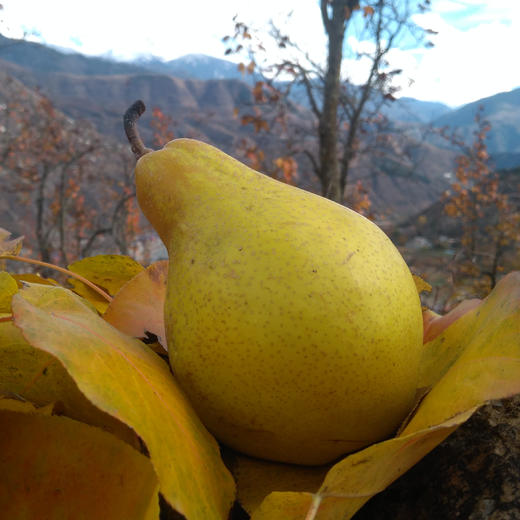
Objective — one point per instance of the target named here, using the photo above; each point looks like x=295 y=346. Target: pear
x=293 y=323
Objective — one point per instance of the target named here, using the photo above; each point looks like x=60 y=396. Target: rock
x=474 y=474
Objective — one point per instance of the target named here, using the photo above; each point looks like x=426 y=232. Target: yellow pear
x=293 y=323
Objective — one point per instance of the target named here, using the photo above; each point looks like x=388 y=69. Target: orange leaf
x=54 y=467
x=138 y=306
x=435 y=324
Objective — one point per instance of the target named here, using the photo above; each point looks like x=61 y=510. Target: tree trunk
x=328 y=124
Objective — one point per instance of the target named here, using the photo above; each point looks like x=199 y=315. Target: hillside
x=503 y=113
x=404 y=180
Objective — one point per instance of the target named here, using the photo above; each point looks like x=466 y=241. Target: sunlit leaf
x=36 y=376
x=354 y=480
x=9 y=247
x=473 y=360
x=110 y=272
x=421 y=284
x=434 y=324
x=138 y=307
x=8 y=288
x=34 y=278
x=55 y=467
x=121 y=376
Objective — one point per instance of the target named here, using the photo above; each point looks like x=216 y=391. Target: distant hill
x=193 y=66
x=503 y=113
x=201 y=93
x=40 y=58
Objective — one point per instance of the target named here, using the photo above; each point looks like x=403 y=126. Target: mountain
x=409 y=176
x=502 y=111
x=193 y=66
x=43 y=59
x=408 y=109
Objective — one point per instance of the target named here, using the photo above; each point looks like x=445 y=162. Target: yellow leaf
x=34 y=278
x=473 y=360
x=138 y=307
x=354 y=480
x=8 y=288
x=9 y=247
x=15 y=405
x=38 y=377
x=257 y=478
x=110 y=272
x=421 y=284
x=54 y=467
x=121 y=376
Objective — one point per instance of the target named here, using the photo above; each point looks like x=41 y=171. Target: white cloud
x=472 y=57
x=465 y=65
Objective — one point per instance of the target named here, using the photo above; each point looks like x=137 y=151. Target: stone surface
x=474 y=474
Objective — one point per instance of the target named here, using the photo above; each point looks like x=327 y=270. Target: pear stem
x=130 y=118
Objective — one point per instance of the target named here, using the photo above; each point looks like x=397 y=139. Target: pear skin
x=293 y=323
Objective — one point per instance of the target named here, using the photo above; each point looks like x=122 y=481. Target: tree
x=75 y=194
x=489 y=219
x=343 y=113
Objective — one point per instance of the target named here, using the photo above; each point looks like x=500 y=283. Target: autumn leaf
x=257 y=478
x=475 y=359
x=353 y=481
x=9 y=247
x=110 y=272
x=39 y=378
x=124 y=378
x=33 y=278
x=435 y=324
x=421 y=284
x=8 y=288
x=138 y=307
x=368 y=11
x=55 y=467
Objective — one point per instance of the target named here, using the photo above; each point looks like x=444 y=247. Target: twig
x=72 y=274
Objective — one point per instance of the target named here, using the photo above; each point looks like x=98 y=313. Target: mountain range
x=201 y=94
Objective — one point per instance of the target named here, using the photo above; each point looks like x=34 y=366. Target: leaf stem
x=315 y=505
x=72 y=274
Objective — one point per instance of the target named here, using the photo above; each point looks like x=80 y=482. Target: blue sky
x=471 y=58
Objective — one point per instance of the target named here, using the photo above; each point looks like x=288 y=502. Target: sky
x=471 y=57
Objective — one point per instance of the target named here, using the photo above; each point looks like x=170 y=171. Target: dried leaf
x=475 y=359
x=8 y=288
x=33 y=278
x=257 y=478
x=354 y=480
x=55 y=467
x=127 y=380
x=9 y=247
x=110 y=272
x=17 y=405
x=138 y=307
x=434 y=324
x=421 y=284
x=38 y=377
